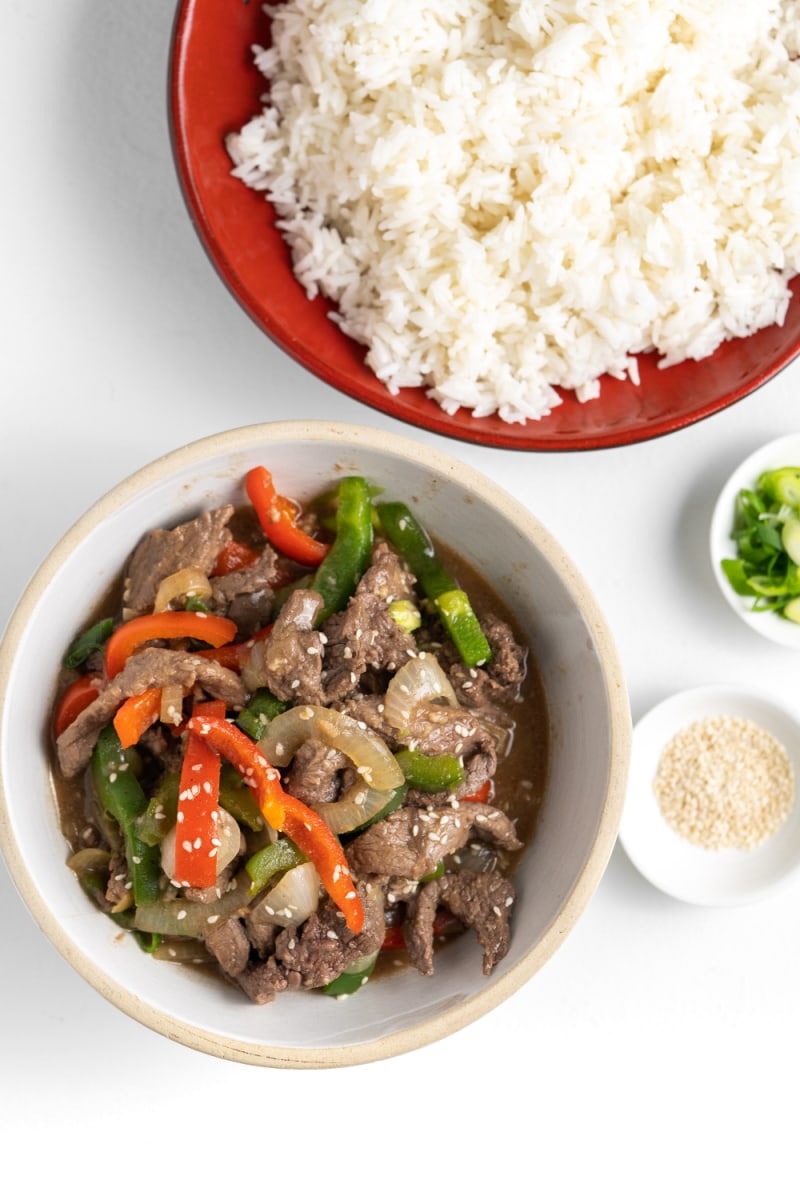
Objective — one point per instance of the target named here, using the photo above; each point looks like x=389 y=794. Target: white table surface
x=658 y=1052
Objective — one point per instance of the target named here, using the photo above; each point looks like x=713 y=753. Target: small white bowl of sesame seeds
x=712 y=814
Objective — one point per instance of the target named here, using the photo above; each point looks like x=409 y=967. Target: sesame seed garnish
x=723 y=782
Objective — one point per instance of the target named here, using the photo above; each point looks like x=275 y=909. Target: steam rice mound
x=505 y=196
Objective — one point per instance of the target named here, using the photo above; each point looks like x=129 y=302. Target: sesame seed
x=724 y=783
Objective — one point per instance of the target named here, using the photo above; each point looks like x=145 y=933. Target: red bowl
x=214 y=90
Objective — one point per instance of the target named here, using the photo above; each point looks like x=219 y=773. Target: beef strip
x=480 y=901
x=289 y=662
x=365 y=637
x=370 y=710
x=118 y=889
x=411 y=842
x=161 y=552
x=314 y=776
x=499 y=681
x=443 y=729
x=247 y=596
x=318 y=952
x=387 y=575
x=151 y=667
x=230 y=946
x=261 y=931
x=362 y=637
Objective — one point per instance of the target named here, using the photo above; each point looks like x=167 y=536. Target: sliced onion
x=359 y=804
x=171 y=704
x=373 y=759
x=91 y=858
x=419 y=680
x=190 y=918
x=187 y=582
x=228 y=834
x=294 y=898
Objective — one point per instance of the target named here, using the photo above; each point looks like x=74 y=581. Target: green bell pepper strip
x=348 y=558
x=238 y=800
x=87 y=642
x=395 y=800
x=262 y=708
x=452 y=603
x=430 y=772
x=122 y=798
x=278 y=856
x=353 y=978
x=161 y=812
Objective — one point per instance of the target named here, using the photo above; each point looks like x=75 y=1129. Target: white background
x=657 y=1053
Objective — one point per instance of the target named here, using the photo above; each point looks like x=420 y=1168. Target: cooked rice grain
x=504 y=196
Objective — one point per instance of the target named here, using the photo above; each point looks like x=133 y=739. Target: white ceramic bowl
x=783 y=452
x=590 y=742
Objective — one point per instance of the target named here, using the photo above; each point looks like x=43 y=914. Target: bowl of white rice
x=532 y=225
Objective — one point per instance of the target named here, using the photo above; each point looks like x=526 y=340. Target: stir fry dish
x=286 y=746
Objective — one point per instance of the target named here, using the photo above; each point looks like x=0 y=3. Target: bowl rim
x=491 y=994
x=412 y=406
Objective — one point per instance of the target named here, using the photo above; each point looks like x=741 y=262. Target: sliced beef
x=247 y=596
x=318 y=952
x=160 y=553
x=261 y=931
x=261 y=982
x=411 y=842
x=289 y=662
x=443 y=729
x=387 y=576
x=361 y=638
x=229 y=944
x=314 y=776
x=499 y=681
x=370 y=710
x=152 y=667
x=118 y=889
x=480 y=902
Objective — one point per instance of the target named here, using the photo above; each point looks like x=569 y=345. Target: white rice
x=504 y=196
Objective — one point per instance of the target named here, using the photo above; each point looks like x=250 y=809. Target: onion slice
x=295 y=897
x=421 y=679
x=358 y=805
x=171 y=704
x=187 y=582
x=373 y=759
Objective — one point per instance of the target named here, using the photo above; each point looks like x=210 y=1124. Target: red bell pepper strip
x=137 y=714
x=286 y=813
x=278 y=520
x=481 y=796
x=234 y=556
x=444 y=925
x=205 y=627
x=78 y=696
x=198 y=804
x=235 y=654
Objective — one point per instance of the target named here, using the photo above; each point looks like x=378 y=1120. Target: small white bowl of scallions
x=755 y=541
